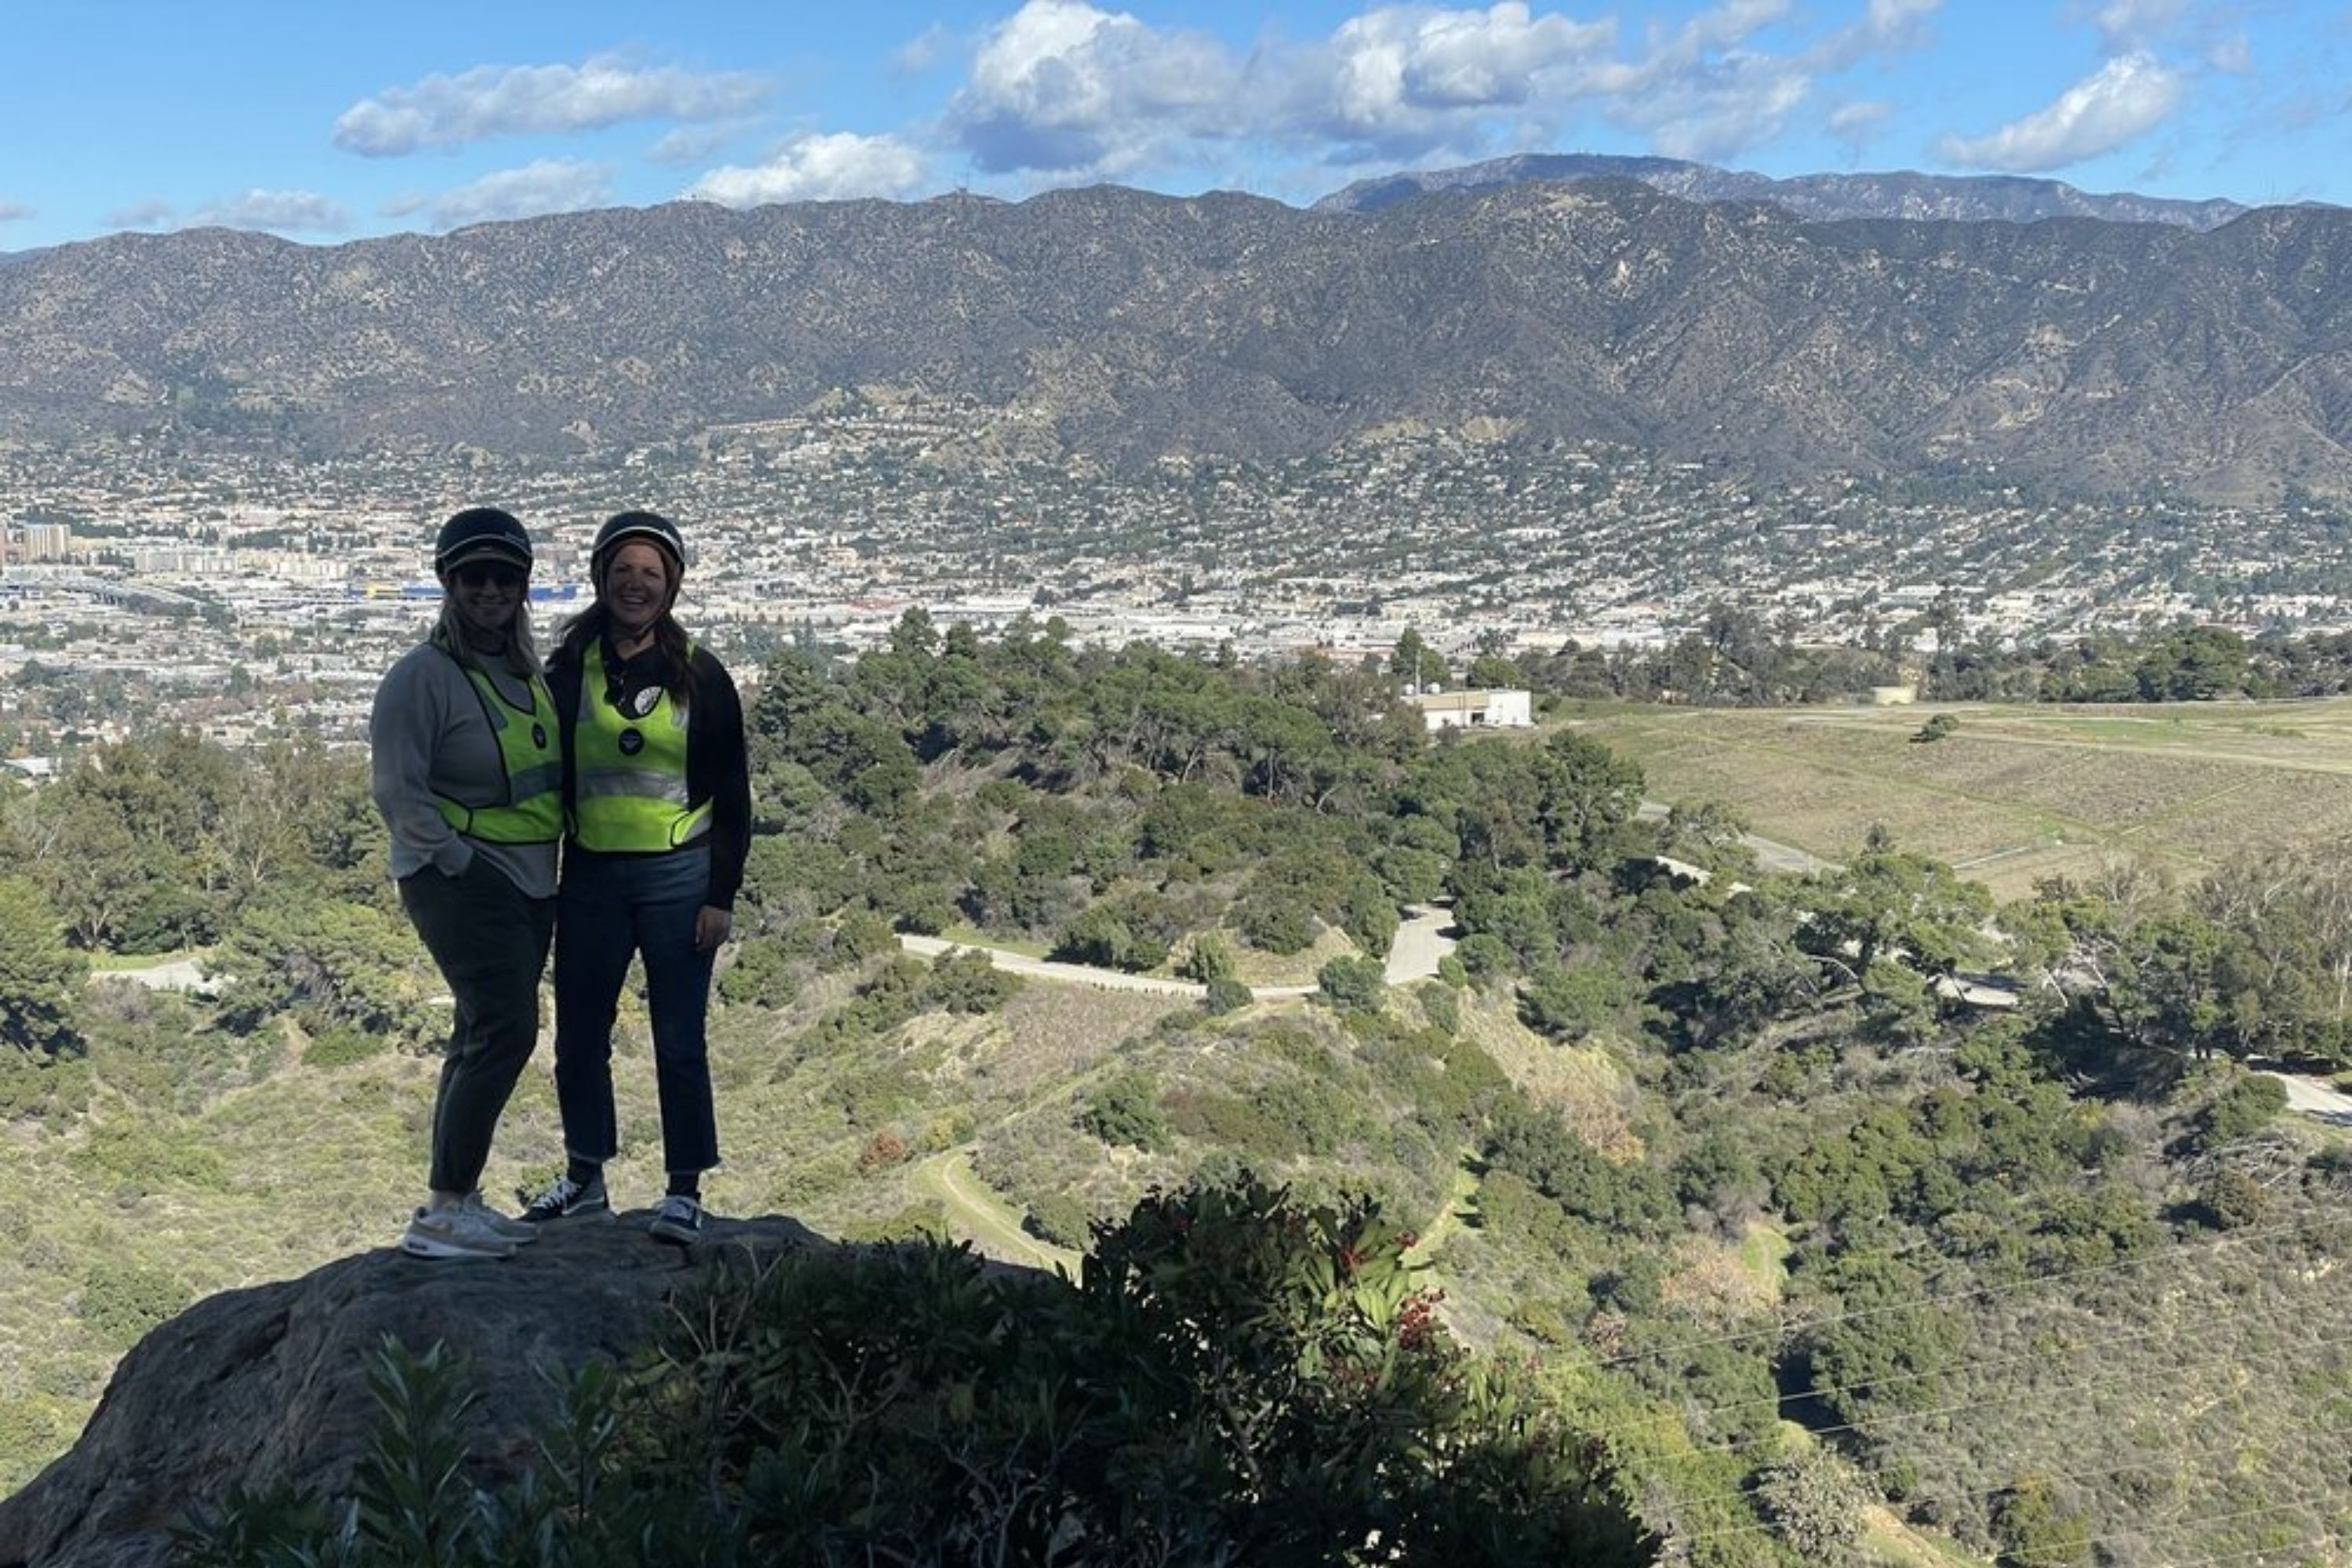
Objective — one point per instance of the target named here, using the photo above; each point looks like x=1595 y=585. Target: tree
x=1352 y=984
x=40 y=976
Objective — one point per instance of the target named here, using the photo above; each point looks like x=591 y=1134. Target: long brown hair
x=677 y=651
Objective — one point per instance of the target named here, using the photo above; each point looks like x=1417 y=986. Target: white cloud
x=1886 y=28
x=696 y=144
x=2125 y=98
x=819 y=168
x=293 y=211
x=1859 y=125
x=447 y=111
x=15 y=212
x=1415 y=77
x=1067 y=89
x=2232 y=54
x=1062 y=86
x=2129 y=25
x=548 y=186
x=924 y=50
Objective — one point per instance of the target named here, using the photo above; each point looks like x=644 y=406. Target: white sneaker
x=455 y=1234
x=503 y=1226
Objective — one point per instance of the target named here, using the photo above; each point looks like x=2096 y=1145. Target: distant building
x=1892 y=696
x=1497 y=710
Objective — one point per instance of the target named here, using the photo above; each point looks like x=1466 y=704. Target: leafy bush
x=341 y=1048
x=1238 y=1379
x=1441 y=1005
x=1124 y=1109
x=2245 y=1108
x=1352 y=984
x=124 y=1301
x=1225 y=995
x=1059 y=1220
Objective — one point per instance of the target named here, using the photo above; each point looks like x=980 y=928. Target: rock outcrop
x=269 y=1386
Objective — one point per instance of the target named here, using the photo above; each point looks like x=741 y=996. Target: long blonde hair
x=521 y=655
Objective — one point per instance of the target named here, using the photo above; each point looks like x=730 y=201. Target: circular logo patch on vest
x=632 y=742
x=539 y=736
x=643 y=702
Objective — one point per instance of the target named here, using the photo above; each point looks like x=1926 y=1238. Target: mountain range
x=1971 y=198
x=2084 y=354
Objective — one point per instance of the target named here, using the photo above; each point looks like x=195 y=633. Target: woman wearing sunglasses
x=467 y=764
x=660 y=801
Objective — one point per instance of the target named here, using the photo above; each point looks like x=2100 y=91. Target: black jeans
x=491 y=945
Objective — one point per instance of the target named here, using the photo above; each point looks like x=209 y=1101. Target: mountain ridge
x=1126 y=327
x=1893 y=193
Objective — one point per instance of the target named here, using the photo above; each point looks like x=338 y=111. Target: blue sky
x=324 y=125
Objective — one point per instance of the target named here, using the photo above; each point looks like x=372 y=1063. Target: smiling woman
x=660 y=825
x=468 y=775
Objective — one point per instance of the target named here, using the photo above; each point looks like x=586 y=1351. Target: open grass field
x=2017 y=792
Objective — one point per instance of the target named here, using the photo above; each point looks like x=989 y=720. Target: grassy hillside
x=2015 y=793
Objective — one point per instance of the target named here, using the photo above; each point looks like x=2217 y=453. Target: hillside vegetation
x=1828 y=1265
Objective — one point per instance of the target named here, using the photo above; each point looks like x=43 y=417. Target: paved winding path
x=1771 y=854
x=1420 y=943
x=2315 y=1099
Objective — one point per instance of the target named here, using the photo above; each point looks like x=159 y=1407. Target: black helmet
x=651 y=527
x=478 y=531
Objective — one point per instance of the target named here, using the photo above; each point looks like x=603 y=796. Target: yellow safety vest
x=628 y=770
x=532 y=811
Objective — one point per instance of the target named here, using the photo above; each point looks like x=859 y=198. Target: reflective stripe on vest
x=628 y=781
x=531 y=753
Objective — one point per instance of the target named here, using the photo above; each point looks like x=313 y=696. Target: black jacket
x=717 y=768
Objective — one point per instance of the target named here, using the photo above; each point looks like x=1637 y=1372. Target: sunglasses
x=489 y=574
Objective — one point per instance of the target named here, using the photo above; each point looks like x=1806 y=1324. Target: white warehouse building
x=1502 y=709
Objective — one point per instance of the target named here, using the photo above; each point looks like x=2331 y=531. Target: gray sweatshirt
x=430 y=739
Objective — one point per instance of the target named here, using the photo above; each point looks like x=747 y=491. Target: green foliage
x=331 y=964
x=122 y=1300
x=1239 y=1379
x=762 y=976
x=1124 y=1109
x=1441 y=1005
x=966 y=981
x=1534 y=1143
x=342 y=1047
x=1059 y=1220
x=1225 y=995
x=40 y=977
x=1937 y=729
x=1352 y=984
x=2036 y=1530
x=2249 y=1104
x=1814 y=1503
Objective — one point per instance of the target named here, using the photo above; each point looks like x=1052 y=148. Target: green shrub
x=1239 y=1379
x=1059 y=1220
x=122 y=1300
x=967 y=981
x=2249 y=1104
x=339 y=1048
x=1124 y=1109
x=1352 y=984
x=1225 y=995
x=1441 y=1005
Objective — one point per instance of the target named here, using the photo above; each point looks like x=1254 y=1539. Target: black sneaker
x=679 y=1219
x=568 y=1199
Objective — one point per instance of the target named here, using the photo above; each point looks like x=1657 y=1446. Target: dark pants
x=611 y=906
x=491 y=945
